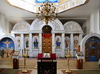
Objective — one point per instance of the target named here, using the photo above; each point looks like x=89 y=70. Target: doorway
x=46 y=39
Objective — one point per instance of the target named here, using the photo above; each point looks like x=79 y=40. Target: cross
x=7 y=42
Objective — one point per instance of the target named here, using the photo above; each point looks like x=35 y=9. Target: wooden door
x=47 y=43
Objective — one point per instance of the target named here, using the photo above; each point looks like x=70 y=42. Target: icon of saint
x=35 y=43
x=27 y=43
x=58 y=43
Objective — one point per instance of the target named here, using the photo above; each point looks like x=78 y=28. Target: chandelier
x=47 y=12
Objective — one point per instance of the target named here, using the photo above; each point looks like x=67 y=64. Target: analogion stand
x=79 y=60
x=15 y=57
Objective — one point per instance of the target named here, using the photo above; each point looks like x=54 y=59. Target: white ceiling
x=83 y=12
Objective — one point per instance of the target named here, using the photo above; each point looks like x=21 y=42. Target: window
x=51 y=1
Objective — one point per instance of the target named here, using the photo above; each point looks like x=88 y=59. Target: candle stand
x=25 y=55
x=68 y=67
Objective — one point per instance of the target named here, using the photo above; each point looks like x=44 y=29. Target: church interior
x=49 y=36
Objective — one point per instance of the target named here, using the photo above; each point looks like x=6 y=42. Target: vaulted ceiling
x=80 y=13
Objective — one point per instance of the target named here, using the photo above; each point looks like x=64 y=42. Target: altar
x=47 y=63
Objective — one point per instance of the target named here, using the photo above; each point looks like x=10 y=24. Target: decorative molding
x=21 y=26
x=82 y=44
x=72 y=27
x=38 y=24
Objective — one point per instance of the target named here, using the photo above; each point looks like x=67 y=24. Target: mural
x=6 y=47
x=67 y=40
x=26 y=42
x=92 y=49
x=58 y=42
x=35 y=42
x=76 y=38
x=18 y=41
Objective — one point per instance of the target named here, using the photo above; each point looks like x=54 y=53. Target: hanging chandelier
x=47 y=12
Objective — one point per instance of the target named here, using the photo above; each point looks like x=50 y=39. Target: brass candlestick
x=68 y=67
x=25 y=54
x=25 y=70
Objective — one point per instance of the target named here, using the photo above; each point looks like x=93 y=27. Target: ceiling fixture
x=47 y=12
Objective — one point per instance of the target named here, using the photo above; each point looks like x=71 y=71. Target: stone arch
x=72 y=27
x=82 y=44
x=21 y=26
x=38 y=24
x=11 y=37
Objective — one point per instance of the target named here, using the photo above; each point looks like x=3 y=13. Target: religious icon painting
x=67 y=42
x=35 y=42
x=18 y=41
x=58 y=42
x=6 y=48
x=76 y=41
x=27 y=42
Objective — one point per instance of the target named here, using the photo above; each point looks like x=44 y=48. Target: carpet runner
x=13 y=71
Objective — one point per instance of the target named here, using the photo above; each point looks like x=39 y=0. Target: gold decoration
x=47 y=12
x=25 y=55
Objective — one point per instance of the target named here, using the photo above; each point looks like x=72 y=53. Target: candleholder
x=25 y=55
x=68 y=67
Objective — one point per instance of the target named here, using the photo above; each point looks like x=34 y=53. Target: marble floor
x=61 y=65
x=34 y=71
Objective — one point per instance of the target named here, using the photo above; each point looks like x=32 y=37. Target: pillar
x=30 y=45
x=63 y=45
x=71 y=44
x=80 y=38
x=22 y=44
x=40 y=43
x=53 y=42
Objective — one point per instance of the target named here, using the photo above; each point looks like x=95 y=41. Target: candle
x=68 y=52
x=79 y=48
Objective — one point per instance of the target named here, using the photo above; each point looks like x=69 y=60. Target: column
x=94 y=22
x=22 y=44
x=63 y=45
x=53 y=42
x=40 y=43
x=30 y=45
x=71 y=44
x=80 y=38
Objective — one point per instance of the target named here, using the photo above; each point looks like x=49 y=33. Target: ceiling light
x=47 y=12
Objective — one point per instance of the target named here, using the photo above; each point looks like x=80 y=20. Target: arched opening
x=7 y=47
x=92 y=48
x=46 y=29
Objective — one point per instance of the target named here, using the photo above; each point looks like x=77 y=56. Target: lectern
x=15 y=60
x=15 y=63
x=79 y=60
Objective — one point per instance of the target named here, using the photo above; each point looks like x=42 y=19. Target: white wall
x=86 y=27
x=5 y=25
x=94 y=22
